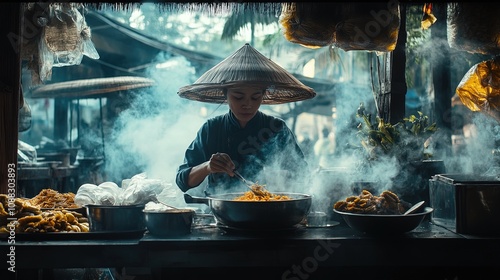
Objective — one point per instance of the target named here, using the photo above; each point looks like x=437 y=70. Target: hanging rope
x=102 y=128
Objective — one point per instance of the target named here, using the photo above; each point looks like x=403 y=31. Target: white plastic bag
x=141 y=190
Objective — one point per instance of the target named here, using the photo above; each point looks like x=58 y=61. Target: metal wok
x=256 y=215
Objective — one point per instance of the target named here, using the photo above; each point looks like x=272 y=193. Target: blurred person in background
x=307 y=146
x=323 y=149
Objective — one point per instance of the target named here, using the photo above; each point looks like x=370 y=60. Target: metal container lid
x=466 y=179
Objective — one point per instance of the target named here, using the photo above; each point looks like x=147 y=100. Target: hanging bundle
x=428 y=18
x=479 y=89
x=309 y=25
x=474 y=28
x=370 y=27
x=349 y=26
x=65 y=39
x=61 y=37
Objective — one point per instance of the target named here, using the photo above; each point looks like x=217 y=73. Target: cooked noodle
x=250 y=196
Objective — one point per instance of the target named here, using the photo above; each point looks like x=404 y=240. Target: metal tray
x=61 y=236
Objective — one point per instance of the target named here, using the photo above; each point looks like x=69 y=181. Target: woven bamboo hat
x=247 y=66
x=90 y=88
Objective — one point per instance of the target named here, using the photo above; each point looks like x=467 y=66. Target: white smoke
x=152 y=135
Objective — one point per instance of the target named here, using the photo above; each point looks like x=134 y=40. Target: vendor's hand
x=221 y=162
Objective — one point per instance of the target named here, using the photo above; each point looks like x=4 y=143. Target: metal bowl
x=172 y=222
x=114 y=218
x=384 y=224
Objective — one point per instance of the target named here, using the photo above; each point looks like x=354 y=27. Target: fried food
x=3 y=213
x=20 y=208
x=388 y=203
x=30 y=218
x=53 y=221
x=49 y=198
x=259 y=190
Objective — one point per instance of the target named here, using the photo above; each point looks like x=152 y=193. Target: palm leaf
x=238 y=21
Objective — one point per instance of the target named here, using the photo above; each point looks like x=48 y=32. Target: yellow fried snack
x=4 y=199
x=367 y=203
x=53 y=221
x=20 y=208
x=3 y=213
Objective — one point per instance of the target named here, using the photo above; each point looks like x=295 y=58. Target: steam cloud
x=152 y=134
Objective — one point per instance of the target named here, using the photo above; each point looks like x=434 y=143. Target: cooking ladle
x=258 y=190
x=414 y=208
x=163 y=203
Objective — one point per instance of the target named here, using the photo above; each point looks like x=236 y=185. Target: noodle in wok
x=266 y=195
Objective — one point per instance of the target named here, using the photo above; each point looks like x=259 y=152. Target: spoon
x=251 y=185
x=414 y=207
x=247 y=182
x=163 y=203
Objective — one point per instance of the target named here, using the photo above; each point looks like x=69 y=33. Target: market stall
x=57 y=239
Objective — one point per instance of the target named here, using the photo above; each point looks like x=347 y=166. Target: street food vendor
x=245 y=138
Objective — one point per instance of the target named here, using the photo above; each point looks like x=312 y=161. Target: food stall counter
x=319 y=251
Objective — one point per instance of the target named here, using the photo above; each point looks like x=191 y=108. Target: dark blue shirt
x=264 y=141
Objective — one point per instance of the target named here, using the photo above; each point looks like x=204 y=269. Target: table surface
x=211 y=246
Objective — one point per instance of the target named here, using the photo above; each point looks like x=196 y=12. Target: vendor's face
x=244 y=102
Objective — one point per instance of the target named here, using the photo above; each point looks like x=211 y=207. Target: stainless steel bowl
x=116 y=218
x=172 y=222
x=384 y=224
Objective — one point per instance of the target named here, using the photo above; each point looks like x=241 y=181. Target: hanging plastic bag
x=65 y=39
x=479 y=89
x=24 y=114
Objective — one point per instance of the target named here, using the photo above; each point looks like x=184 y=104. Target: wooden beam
x=441 y=78
x=10 y=84
x=398 y=80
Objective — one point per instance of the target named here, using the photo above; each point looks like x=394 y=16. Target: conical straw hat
x=90 y=88
x=247 y=66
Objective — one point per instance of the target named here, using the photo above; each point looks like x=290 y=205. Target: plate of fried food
x=379 y=214
x=21 y=216
x=24 y=221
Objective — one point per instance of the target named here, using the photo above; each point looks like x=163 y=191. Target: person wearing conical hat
x=244 y=138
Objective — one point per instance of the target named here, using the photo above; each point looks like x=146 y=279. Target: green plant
x=406 y=140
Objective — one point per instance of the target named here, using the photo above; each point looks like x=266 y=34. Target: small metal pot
x=116 y=218
x=172 y=222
